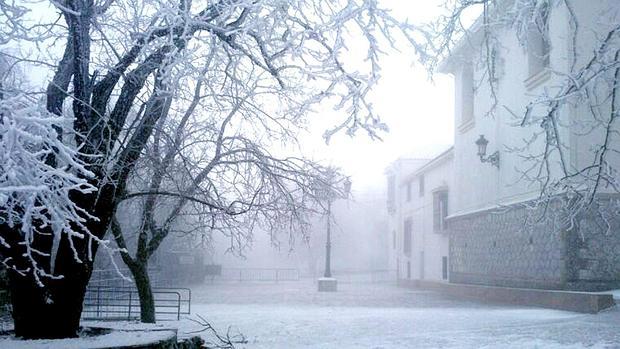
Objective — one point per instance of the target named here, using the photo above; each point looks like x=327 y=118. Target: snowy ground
x=294 y=315
x=106 y=341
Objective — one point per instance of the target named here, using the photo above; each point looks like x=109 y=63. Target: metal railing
x=111 y=278
x=292 y=274
x=365 y=276
x=123 y=303
x=259 y=274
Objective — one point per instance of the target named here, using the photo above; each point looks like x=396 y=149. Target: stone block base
x=328 y=285
x=581 y=302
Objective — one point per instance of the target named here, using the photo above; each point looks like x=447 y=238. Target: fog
x=358 y=242
x=166 y=179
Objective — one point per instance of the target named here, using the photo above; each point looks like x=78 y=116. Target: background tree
x=119 y=67
x=213 y=173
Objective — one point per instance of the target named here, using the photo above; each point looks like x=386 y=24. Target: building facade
x=395 y=173
x=499 y=231
x=420 y=206
x=500 y=234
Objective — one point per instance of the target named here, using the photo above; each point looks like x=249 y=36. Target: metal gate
x=123 y=303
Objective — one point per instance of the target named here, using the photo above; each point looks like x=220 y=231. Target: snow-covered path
x=294 y=315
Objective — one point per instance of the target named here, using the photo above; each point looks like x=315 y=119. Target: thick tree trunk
x=145 y=292
x=52 y=311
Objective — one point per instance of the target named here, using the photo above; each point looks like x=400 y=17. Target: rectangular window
x=391 y=194
x=467 y=93
x=407 y=231
x=394 y=239
x=538 y=46
x=421 y=265
x=444 y=267
x=408 y=191
x=440 y=211
x=421 y=185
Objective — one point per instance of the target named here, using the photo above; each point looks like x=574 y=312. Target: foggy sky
x=418 y=112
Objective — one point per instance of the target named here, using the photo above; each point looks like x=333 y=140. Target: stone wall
x=593 y=252
x=519 y=246
x=582 y=302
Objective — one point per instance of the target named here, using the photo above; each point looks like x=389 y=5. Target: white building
x=418 y=219
x=495 y=239
x=523 y=74
x=499 y=233
x=395 y=173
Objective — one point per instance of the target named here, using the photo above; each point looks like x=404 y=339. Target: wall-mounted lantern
x=482 y=152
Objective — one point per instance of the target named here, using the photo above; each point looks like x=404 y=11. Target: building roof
x=469 y=40
x=444 y=156
x=398 y=164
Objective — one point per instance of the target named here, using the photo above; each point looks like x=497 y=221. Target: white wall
x=481 y=185
x=434 y=246
x=399 y=169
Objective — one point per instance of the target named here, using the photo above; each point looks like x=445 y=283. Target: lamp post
x=493 y=159
x=334 y=189
x=328 y=244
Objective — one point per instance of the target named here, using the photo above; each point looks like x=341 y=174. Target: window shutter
x=407 y=237
x=436 y=213
x=440 y=211
x=444 y=210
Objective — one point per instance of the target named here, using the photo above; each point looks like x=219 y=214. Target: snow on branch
x=129 y=67
x=38 y=174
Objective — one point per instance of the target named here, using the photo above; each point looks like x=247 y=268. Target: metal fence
x=112 y=278
x=222 y=274
x=365 y=276
x=123 y=303
x=292 y=274
x=258 y=274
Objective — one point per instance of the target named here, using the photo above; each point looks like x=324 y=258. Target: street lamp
x=346 y=187
x=335 y=188
x=493 y=159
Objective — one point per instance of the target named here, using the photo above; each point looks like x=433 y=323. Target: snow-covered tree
x=35 y=193
x=204 y=175
x=119 y=67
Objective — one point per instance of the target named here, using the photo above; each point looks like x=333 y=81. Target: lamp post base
x=328 y=285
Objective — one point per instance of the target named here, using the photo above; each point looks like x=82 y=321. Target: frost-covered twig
x=35 y=194
x=226 y=341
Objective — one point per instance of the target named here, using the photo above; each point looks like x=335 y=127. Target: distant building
x=418 y=201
